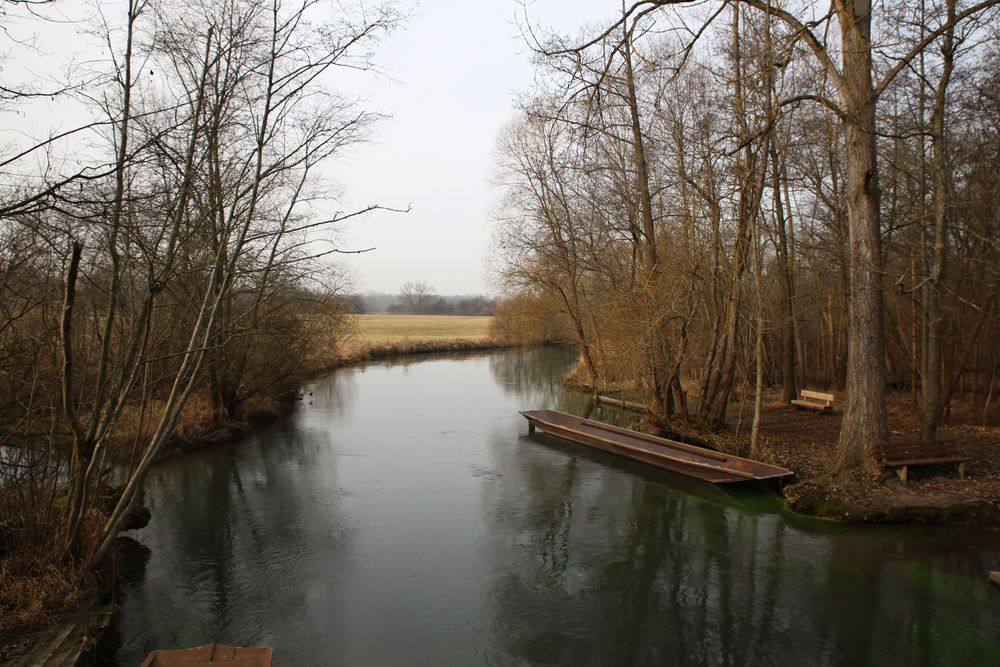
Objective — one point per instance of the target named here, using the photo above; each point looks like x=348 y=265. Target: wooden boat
x=699 y=462
x=237 y=656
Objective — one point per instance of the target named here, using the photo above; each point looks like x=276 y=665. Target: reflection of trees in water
x=535 y=375
x=600 y=567
x=589 y=559
x=336 y=393
x=242 y=533
x=532 y=370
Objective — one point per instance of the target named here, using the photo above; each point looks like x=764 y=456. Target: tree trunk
x=931 y=384
x=789 y=385
x=751 y=174
x=865 y=421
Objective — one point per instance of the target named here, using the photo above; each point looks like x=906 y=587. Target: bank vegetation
x=164 y=273
x=713 y=199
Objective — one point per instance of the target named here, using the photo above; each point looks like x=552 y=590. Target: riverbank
x=410 y=492
x=805 y=442
x=198 y=429
x=197 y=432
x=361 y=352
x=40 y=603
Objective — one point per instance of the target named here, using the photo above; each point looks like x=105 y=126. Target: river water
x=402 y=516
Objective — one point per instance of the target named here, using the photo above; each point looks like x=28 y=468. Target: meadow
x=382 y=328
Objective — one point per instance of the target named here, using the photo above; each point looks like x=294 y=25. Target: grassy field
x=384 y=328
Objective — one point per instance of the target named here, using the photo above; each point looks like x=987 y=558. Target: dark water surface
x=403 y=517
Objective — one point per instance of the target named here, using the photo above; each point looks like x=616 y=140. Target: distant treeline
x=432 y=304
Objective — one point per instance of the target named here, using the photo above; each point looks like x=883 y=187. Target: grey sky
x=453 y=73
x=457 y=67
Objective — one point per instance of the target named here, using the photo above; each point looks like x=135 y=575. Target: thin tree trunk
x=758 y=396
x=934 y=316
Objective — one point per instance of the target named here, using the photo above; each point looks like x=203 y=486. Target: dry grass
x=359 y=353
x=383 y=328
x=37 y=585
x=380 y=336
x=33 y=588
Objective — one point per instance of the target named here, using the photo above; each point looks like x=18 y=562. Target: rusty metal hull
x=705 y=464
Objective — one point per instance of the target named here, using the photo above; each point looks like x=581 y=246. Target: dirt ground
x=805 y=442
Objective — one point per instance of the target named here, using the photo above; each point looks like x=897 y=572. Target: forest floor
x=805 y=442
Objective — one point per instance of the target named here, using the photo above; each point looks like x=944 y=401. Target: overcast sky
x=457 y=67
x=453 y=73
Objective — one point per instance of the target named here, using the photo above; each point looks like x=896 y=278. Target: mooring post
x=531 y=428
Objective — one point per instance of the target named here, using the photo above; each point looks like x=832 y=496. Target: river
x=402 y=516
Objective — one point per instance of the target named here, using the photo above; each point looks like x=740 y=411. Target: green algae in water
x=952 y=587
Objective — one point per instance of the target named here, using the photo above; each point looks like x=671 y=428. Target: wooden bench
x=814 y=400
x=901 y=455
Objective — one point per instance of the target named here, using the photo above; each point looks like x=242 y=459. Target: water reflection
x=336 y=393
x=534 y=377
x=403 y=516
x=533 y=374
x=238 y=554
x=607 y=568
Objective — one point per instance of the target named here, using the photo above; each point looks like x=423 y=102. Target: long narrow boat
x=711 y=466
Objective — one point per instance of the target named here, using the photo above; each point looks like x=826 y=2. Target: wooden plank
x=902 y=456
x=621 y=403
x=821 y=407
x=211 y=653
x=918 y=454
x=924 y=461
x=943 y=444
x=929 y=447
x=899 y=451
x=656 y=440
x=817 y=396
x=895 y=450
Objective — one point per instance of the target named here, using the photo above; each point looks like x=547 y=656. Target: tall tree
x=850 y=71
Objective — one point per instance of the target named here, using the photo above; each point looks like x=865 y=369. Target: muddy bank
x=891 y=503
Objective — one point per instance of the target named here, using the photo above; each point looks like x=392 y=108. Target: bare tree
x=850 y=92
x=417 y=297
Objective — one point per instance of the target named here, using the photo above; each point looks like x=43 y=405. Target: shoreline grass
x=382 y=335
